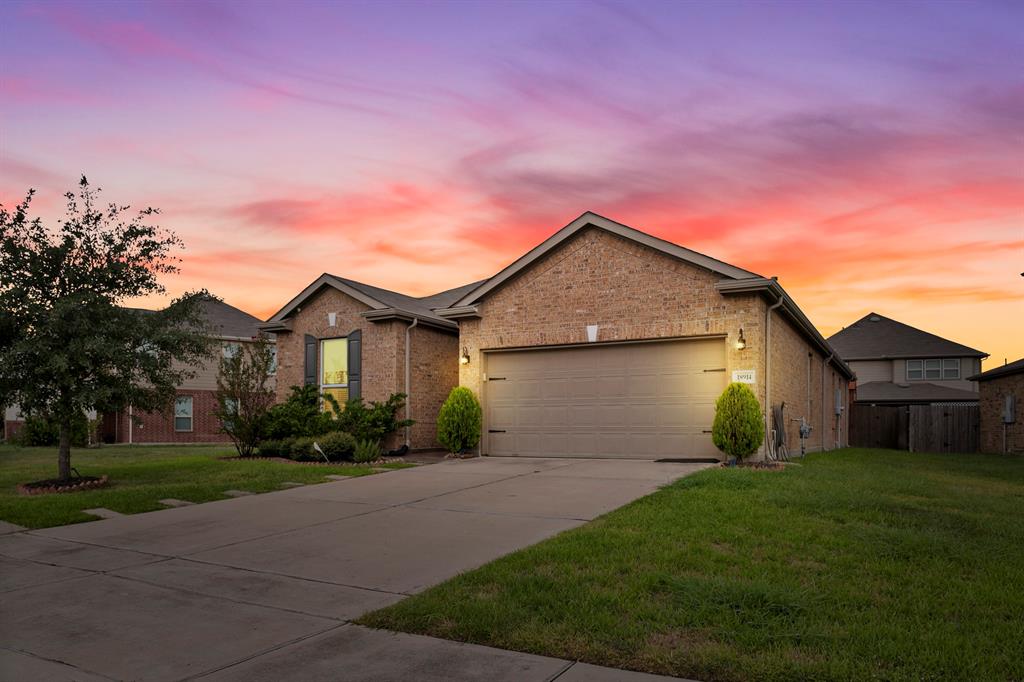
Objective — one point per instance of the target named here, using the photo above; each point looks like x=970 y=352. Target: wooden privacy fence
x=918 y=428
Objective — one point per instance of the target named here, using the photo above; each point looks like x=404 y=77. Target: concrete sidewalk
x=263 y=587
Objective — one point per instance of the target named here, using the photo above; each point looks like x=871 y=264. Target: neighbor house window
x=931 y=369
x=183 y=413
x=273 y=359
x=231 y=350
x=334 y=370
x=230 y=410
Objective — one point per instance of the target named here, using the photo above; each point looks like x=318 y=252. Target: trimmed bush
x=738 y=430
x=460 y=421
x=337 y=445
x=301 y=450
x=373 y=420
x=366 y=451
x=270 y=448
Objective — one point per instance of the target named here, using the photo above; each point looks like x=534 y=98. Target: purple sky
x=870 y=155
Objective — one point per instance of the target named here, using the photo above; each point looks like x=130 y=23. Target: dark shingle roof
x=874 y=337
x=224 y=319
x=1015 y=367
x=420 y=307
x=915 y=392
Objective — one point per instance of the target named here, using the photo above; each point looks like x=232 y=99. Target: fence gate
x=918 y=428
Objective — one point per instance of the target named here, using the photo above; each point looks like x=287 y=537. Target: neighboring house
x=191 y=420
x=1001 y=392
x=602 y=341
x=897 y=364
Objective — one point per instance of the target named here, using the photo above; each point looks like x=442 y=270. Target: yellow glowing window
x=334 y=370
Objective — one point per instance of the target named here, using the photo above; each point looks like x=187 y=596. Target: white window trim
x=191 y=414
x=944 y=361
x=921 y=365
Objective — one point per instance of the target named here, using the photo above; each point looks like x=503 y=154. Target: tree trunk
x=64 y=452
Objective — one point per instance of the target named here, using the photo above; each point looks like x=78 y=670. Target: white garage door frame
x=716 y=375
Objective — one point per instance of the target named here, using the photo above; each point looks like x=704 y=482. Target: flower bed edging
x=51 y=487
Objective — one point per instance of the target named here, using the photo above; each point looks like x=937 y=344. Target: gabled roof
x=384 y=304
x=874 y=337
x=1015 y=367
x=226 y=321
x=913 y=392
x=591 y=219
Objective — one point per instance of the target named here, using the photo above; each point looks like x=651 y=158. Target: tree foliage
x=460 y=421
x=738 y=429
x=67 y=344
x=244 y=393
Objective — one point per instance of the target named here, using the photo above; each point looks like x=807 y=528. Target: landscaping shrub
x=271 y=448
x=298 y=415
x=301 y=450
x=460 y=421
x=375 y=421
x=366 y=451
x=337 y=445
x=42 y=430
x=738 y=429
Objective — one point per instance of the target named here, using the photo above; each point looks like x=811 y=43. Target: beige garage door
x=638 y=400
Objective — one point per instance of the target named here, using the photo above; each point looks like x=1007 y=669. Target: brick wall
x=990 y=402
x=157 y=427
x=434 y=358
x=632 y=293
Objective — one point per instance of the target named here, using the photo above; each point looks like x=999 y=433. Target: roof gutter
x=771 y=288
x=385 y=314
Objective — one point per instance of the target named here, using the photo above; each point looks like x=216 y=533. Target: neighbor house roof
x=224 y=320
x=1015 y=367
x=914 y=392
x=875 y=337
x=384 y=304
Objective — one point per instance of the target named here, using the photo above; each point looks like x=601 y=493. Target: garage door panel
x=643 y=400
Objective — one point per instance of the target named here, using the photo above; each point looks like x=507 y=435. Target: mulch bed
x=766 y=466
x=285 y=460
x=57 y=485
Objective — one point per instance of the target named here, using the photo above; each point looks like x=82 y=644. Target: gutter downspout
x=824 y=400
x=408 y=380
x=131 y=423
x=768 y=372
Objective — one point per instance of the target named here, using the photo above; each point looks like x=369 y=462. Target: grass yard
x=858 y=564
x=140 y=476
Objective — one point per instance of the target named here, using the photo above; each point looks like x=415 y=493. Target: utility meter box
x=1010 y=409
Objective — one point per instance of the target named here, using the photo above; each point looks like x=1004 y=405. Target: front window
x=933 y=369
x=183 y=413
x=334 y=370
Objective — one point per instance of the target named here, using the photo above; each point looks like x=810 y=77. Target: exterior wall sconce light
x=741 y=342
x=464 y=358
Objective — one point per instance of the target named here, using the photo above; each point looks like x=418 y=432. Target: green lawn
x=141 y=475
x=854 y=565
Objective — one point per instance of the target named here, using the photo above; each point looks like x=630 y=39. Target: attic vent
x=875 y=318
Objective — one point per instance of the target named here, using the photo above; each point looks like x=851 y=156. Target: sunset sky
x=870 y=155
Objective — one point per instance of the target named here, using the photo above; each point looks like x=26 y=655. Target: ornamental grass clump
x=738 y=429
x=460 y=421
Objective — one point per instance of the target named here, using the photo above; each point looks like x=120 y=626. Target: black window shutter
x=310 y=362
x=355 y=364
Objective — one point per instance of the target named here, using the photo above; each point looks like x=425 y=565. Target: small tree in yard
x=738 y=430
x=67 y=345
x=460 y=420
x=244 y=395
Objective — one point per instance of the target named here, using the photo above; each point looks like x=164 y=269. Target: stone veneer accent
x=992 y=394
x=633 y=292
x=434 y=358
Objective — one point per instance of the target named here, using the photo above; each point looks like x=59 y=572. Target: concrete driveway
x=263 y=587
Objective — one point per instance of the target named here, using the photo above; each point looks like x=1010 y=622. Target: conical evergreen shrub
x=738 y=430
x=460 y=421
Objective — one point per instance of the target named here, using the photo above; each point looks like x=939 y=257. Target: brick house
x=1001 y=403
x=897 y=364
x=601 y=341
x=192 y=418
